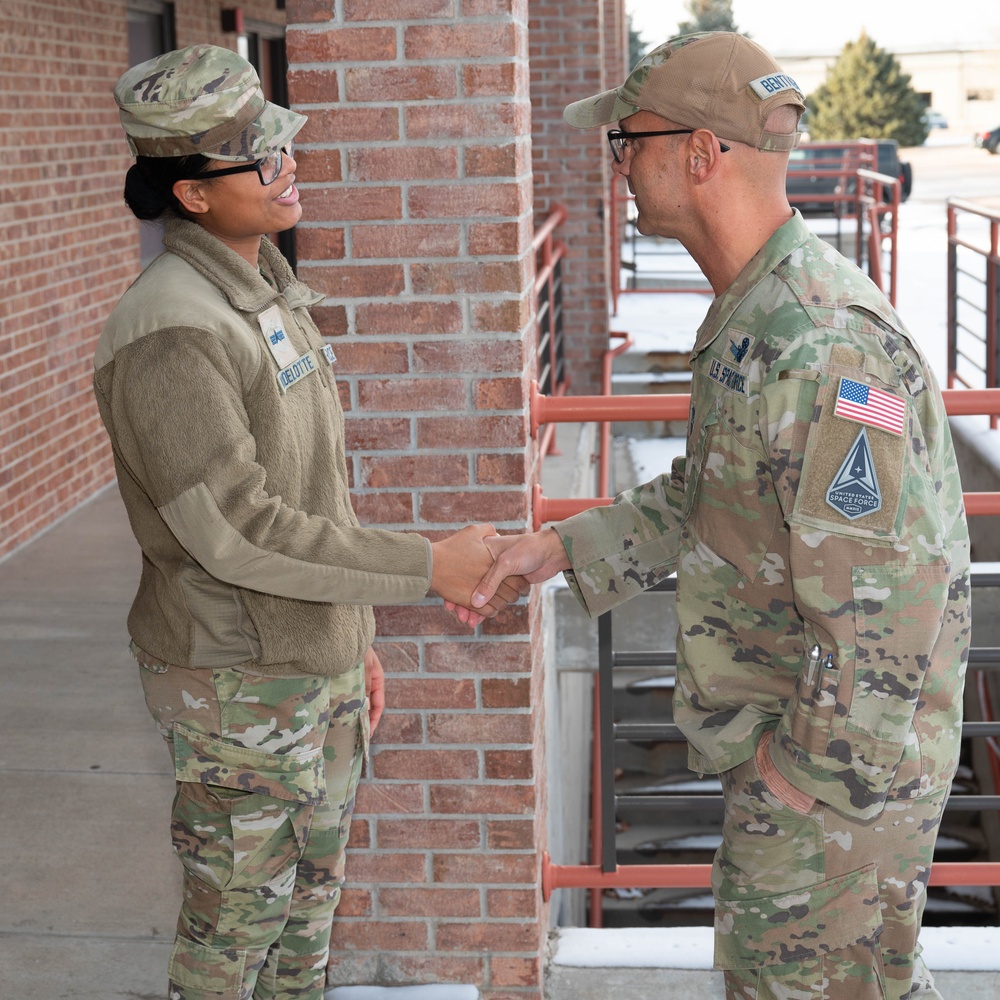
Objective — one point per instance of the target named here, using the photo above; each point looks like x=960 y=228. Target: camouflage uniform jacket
x=228 y=438
x=818 y=504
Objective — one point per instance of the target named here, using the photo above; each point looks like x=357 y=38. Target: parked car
x=817 y=169
x=934 y=119
x=990 y=141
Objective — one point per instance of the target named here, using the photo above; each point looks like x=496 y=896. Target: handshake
x=478 y=572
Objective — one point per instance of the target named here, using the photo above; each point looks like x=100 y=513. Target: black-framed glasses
x=619 y=139
x=268 y=167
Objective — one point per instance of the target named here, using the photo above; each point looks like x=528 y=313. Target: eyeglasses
x=268 y=167
x=619 y=140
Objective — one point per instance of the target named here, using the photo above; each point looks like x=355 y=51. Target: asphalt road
x=949 y=166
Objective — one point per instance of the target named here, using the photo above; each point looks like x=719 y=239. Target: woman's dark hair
x=150 y=180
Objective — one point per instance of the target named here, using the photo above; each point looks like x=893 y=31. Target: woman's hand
x=374 y=687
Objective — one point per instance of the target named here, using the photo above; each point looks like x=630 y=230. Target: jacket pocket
x=811 y=711
x=899 y=612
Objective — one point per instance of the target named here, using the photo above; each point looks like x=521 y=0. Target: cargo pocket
x=239 y=814
x=798 y=926
x=196 y=965
x=295 y=777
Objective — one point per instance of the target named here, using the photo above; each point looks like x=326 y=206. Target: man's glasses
x=619 y=140
x=268 y=167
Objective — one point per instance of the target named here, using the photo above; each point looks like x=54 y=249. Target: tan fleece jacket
x=234 y=477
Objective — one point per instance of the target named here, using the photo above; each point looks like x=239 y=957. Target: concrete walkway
x=87 y=876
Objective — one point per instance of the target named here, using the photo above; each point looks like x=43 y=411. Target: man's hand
x=535 y=557
x=374 y=687
x=460 y=561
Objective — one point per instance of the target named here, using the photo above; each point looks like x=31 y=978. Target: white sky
x=816 y=28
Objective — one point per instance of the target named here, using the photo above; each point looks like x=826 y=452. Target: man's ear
x=704 y=155
x=190 y=192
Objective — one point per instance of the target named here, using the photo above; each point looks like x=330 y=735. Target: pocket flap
x=295 y=777
x=197 y=966
x=797 y=926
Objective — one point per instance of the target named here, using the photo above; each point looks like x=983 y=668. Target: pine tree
x=866 y=95
x=708 y=15
x=636 y=44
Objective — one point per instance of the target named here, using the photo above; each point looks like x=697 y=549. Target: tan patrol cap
x=717 y=80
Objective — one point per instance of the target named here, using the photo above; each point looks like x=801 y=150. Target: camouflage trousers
x=817 y=906
x=266 y=772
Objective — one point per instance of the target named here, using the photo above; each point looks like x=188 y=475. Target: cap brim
x=272 y=129
x=603 y=109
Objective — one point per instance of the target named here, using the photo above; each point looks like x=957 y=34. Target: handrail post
x=992 y=310
x=616 y=247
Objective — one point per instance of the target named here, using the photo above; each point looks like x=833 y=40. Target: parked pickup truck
x=818 y=171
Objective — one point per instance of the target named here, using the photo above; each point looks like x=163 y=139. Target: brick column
x=415 y=177
x=571 y=166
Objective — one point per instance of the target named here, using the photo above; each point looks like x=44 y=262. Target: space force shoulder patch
x=855 y=491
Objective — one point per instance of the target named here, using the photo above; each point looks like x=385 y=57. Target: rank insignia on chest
x=272 y=328
x=728 y=377
x=855 y=490
x=739 y=346
x=331 y=358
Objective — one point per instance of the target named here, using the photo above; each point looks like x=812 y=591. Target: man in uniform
x=817 y=530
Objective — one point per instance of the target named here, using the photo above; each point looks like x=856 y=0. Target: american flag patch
x=860 y=402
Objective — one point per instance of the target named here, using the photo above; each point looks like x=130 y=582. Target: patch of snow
x=435 y=991
x=661 y=321
x=651 y=457
x=971 y=949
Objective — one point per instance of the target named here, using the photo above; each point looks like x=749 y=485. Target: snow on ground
x=435 y=991
x=970 y=949
x=661 y=321
x=652 y=457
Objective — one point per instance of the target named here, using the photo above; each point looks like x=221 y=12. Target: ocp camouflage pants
x=818 y=906
x=266 y=773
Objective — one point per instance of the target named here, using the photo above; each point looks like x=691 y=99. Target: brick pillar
x=572 y=166
x=415 y=178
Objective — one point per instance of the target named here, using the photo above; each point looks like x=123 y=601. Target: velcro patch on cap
x=767 y=86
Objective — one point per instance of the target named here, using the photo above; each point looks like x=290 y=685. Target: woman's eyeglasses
x=268 y=167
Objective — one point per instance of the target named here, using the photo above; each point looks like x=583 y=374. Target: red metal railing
x=878 y=200
x=575 y=409
x=988 y=309
x=580 y=409
x=620 y=199
x=549 y=252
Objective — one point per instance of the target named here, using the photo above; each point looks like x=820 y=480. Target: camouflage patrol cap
x=711 y=79
x=202 y=99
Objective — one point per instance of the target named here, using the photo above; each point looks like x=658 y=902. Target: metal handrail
x=546 y=410
x=549 y=254
x=990 y=308
x=604 y=872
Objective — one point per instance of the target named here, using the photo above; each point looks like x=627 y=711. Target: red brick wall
x=414 y=173
x=571 y=166
x=70 y=245
x=68 y=252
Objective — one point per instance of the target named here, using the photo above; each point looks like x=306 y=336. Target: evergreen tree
x=708 y=15
x=636 y=44
x=866 y=95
